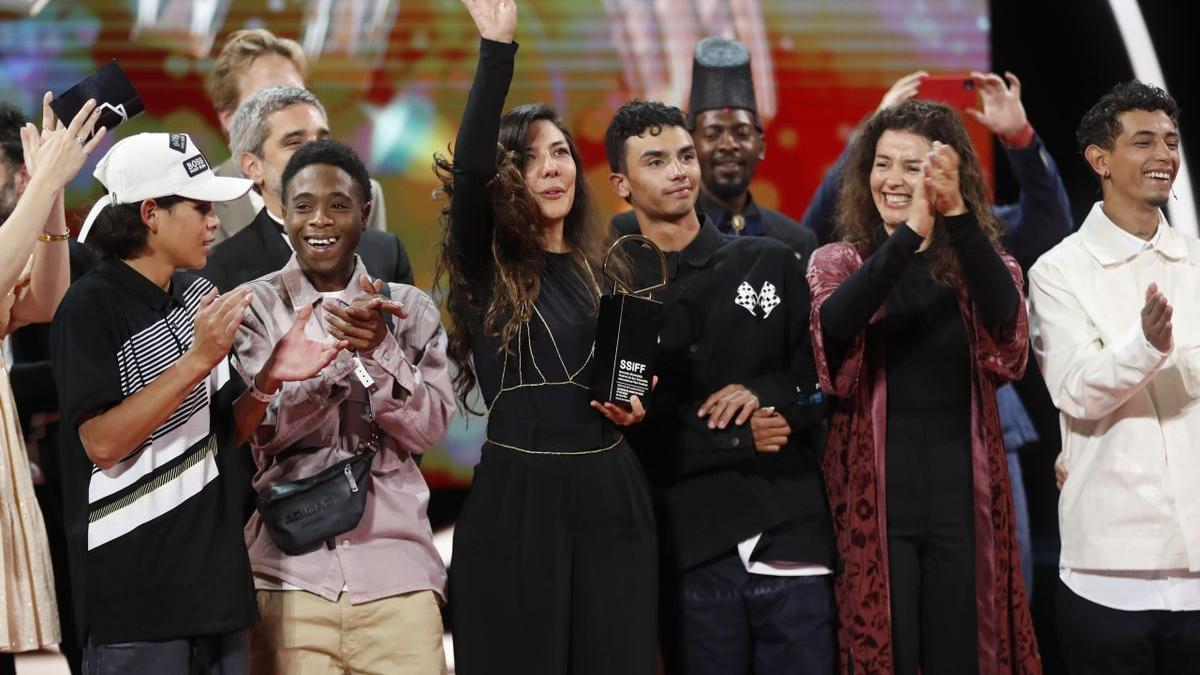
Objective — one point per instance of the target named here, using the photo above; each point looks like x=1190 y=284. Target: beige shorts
x=302 y=634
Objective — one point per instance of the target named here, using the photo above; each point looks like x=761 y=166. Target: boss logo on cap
x=178 y=143
x=195 y=165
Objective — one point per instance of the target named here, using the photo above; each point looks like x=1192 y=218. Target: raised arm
x=52 y=159
x=849 y=309
x=1042 y=215
x=475 y=145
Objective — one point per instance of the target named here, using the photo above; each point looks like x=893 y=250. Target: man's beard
x=1158 y=202
x=728 y=189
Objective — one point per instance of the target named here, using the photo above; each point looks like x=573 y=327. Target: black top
x=259 y=249
x=760 y=222
x=537 y=393
x=926 y=334
x=155 y=542
x=736 y=311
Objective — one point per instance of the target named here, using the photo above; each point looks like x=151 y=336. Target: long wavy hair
x=857 y=218
x=517 y=254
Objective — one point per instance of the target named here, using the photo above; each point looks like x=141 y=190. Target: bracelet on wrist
x=259 y=395
x=50 y=236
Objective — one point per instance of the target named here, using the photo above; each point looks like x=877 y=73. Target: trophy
x=627 y=333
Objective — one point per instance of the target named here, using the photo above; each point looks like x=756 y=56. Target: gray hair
x=248 y=131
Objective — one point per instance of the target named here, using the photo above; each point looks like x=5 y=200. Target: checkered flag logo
x=746 y=298
x=765 y=298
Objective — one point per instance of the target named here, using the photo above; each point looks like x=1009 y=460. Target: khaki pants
x=305 y=634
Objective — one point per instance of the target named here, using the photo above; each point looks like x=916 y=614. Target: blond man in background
x=252 y=60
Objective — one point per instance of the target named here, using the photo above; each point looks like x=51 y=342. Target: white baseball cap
x=146 y=166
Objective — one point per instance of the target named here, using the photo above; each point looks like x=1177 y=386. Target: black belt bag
x=302 y=514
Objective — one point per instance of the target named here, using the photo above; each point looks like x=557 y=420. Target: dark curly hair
x=330 y=152
x=11 y=121
x=119 y=231
x=634 y=119
x=857 y=218
x=517 y=254
x=1100 y=125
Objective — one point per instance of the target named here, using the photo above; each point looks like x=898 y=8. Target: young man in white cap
x=150 y=427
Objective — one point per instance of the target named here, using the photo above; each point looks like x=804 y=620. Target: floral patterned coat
x=854 y=474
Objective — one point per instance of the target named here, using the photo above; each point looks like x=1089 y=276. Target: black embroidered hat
x=721 y=77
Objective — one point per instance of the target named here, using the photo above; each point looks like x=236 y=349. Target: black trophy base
x=626 y=346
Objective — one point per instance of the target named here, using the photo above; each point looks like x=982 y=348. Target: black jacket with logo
x=736 y=311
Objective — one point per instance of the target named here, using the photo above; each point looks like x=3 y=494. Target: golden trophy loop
x=618 y=285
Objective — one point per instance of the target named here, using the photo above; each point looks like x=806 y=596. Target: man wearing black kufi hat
x=723 y=121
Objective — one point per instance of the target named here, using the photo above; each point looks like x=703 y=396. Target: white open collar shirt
x=1129 y=512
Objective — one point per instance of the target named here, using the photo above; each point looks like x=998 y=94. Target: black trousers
x=219 y=654
x=555 y=567
x=731 y=622
x=1099 y=640
x=931 y=543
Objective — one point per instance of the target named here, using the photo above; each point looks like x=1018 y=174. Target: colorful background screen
x=394 y=76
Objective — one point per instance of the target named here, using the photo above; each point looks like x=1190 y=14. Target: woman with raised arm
x=917 y=317
x=554 y=569
x=34 y=273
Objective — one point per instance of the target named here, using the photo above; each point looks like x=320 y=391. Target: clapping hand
x=1156 y=319
x=1003 y=113
x=361 y=324
x=921 y=213
x=56 y=153
x=297 y=357
x=495 y=19
x=941 y=177
x=217 y=322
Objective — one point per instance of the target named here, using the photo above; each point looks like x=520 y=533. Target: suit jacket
x=260 y=249
x=238 y=214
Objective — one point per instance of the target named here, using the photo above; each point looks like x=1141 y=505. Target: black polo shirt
x=156 y=547
x=736 y=311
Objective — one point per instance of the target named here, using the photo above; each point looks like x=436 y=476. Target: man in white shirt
x=1122 y=364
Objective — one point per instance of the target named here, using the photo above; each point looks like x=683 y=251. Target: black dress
x=554 y=569
x=928 y=467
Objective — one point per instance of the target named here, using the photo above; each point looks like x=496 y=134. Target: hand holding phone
x=956 y=91
x=115 y=97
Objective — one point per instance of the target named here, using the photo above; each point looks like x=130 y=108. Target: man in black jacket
x=731 y=438
x=723 y=121
x=266 y=130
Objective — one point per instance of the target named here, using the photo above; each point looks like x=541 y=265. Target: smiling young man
x=1122 y=363
x=150 y=423
x=728 y=441
x=724 y=125
x=267 y=129
x=251 y=60
x=369 y=600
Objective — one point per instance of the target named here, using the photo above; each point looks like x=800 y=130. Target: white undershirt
x=1142 y=590
x=776 y=569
